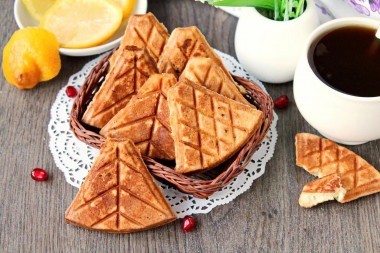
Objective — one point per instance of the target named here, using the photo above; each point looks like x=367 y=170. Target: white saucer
x=23 y=19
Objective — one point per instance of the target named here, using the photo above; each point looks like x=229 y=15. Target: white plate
x=23 y=19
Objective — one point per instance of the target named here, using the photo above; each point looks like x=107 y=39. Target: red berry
x=282 y=102
x=39 y=174
x=71 y=92
x=188 y=223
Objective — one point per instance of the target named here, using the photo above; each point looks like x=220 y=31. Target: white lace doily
x=74 y=158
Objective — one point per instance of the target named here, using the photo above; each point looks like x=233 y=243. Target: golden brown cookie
x=184 y=44
x=322 y=157
x=144 y=31
x=119 y=195
x=206 y=72
x=207 y=128
x=145 y=119
x=132 y=68
x=322 y=190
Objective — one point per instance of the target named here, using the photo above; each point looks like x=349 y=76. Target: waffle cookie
x=322 y=190
x=322 y=157
x=206 y=72
x=144 y=31
x=132 y=68
x=207 y=127
x=184 y=44
x=119 y=195
x=145 y=119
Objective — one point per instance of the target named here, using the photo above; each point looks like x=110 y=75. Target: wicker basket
x=202 y=185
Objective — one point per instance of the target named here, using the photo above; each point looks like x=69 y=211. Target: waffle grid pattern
x=128 y=74
x=323 y=157
x=206 y=126
x=184 y=44
x=114 y=214
x=208 y=77
x=132 y=69
x=145 y=128
x=157 y=121
x=151 y=39
x=335 y=159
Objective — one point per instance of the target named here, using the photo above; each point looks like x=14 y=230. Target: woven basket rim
x=200 y=188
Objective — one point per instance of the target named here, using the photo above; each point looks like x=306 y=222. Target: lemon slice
x=127 y=6
x=82 y=23
x=37 y=8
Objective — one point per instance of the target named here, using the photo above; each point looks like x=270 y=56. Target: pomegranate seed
x=39 y=174
x=188 y=223
x=282 y=102
x=71 y=92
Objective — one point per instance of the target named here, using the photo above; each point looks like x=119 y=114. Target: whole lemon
x=31 y=56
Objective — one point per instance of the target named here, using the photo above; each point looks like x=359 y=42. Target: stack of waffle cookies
x=167 y=97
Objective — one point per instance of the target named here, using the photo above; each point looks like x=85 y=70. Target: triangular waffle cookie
x=119 y=195
x=207 y=127
x=184 y=44
x=145 y=119
x=322 y=190
x=132 y=68
x=144 y=31
x=322 y=157
x=206 y=72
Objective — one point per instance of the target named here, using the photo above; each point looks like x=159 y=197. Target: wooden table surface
x=266 y=218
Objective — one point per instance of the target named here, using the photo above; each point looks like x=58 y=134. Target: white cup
x=340 y=117
x=270 y=49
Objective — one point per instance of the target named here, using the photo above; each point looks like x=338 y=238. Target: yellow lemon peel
x=31 y=56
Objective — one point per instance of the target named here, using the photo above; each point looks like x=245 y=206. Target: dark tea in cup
x=348 y=60
x=341 y=57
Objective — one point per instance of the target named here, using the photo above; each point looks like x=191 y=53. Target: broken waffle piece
x=144 y=31
x=207 y=127
x=322 y=190
x=119 y=195
x=132 y=68
x=206 y=72
x=145 y=119
x=322 y=157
